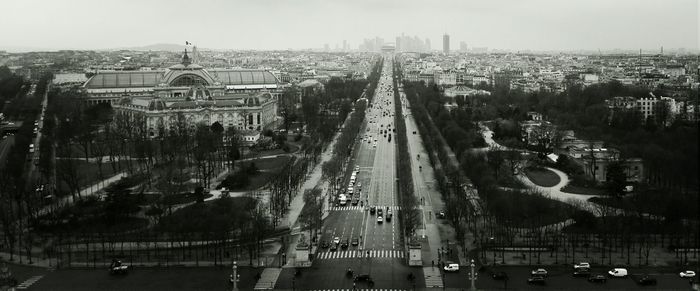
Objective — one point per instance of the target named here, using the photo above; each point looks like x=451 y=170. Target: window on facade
x=258 y=118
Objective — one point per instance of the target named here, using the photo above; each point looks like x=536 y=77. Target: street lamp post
x=472 y=275
x=235 y=276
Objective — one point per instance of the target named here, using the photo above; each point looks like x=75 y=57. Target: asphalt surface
x=380 y=251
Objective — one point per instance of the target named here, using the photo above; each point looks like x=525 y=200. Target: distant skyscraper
x=463 y=47
x=446 y=43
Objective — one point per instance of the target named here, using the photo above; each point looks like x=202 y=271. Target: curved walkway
x=577 y=200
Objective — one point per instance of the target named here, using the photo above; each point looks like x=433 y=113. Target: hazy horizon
x=535 y=25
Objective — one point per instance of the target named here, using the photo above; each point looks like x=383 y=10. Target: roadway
x=380 y=252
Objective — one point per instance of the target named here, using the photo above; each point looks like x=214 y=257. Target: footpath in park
x=437 y=236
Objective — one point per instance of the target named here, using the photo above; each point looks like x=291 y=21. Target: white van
x=350 y=190
x=618 y=272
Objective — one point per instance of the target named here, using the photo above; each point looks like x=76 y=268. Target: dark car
x=388 y=216
x=582 y=272
x=355 y=241
x=536 y=280
x=372 y=210
x=598 y=278
x=325 y=244
x=647 y=280
x=380 y=212
x=499 y=275
x=344 y=244
x=334 y=247
x=362 y=277
x=355 y=201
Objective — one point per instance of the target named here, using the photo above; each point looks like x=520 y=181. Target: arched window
x=188 y=80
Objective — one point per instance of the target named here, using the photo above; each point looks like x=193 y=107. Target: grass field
x=542 y=177
x=520 y=209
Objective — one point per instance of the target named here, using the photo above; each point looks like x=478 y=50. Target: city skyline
x=539 y=25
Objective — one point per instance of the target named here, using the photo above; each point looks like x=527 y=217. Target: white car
x=336 y=240
x=618 y=272
x=539 y=272
x=582 y=265
x=380 y=219
x=451 y=267
x=687 y=274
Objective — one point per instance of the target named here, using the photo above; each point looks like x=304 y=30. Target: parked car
x=618 y=272
x=582 y=272
x=536 y=280
x=597 y=278
x=687 y=274
x=451 y=267
x=539 y=272
x=499 y=275
x=646 y=280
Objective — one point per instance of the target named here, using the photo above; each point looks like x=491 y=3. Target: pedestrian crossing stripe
x=360 y=254
x=433 y=278
x=357 y=207
x=29 y=282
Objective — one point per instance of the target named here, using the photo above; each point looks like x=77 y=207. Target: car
x=451 y=267
x=359 y=185
x=499 y=275
x=325 y=244
x=357 y=168
x=389 y=216
x=597 y=278
x=362 y=277
x=355 y=241
x=116 y=267
x=344 y=244
x=441 y=214
x=646 y=280
x=380 y=219
x=380 y=212
x=539 y=272
x=582 y=272
x=372 y=210
x=618 y=272
x=687 y=274
x=536 y=280
x=582 y=265
x=336 y=240
x=334 y=247
x=355 y=201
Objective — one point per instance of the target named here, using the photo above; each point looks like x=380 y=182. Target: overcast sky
x=297 y=24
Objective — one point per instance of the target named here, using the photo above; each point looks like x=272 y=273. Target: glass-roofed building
x=245 y=100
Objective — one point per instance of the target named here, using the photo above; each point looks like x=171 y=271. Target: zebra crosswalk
x=433 y=278
x=357 y=207
x=360 y=254
x=29 y=282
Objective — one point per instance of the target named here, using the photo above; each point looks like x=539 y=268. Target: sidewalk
x=435 y=235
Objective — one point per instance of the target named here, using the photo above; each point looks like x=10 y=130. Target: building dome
x=156 y=104
x=251 y=101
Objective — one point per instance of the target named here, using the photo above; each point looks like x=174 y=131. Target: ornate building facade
x=245 y=100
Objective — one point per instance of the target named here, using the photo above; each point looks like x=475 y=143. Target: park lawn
x=542 y=177
x=224 y=213
x=582 y=190
x=89 y=172
x=521 y=209
x=509 y=181
x=656 y=202
x=267 y=169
